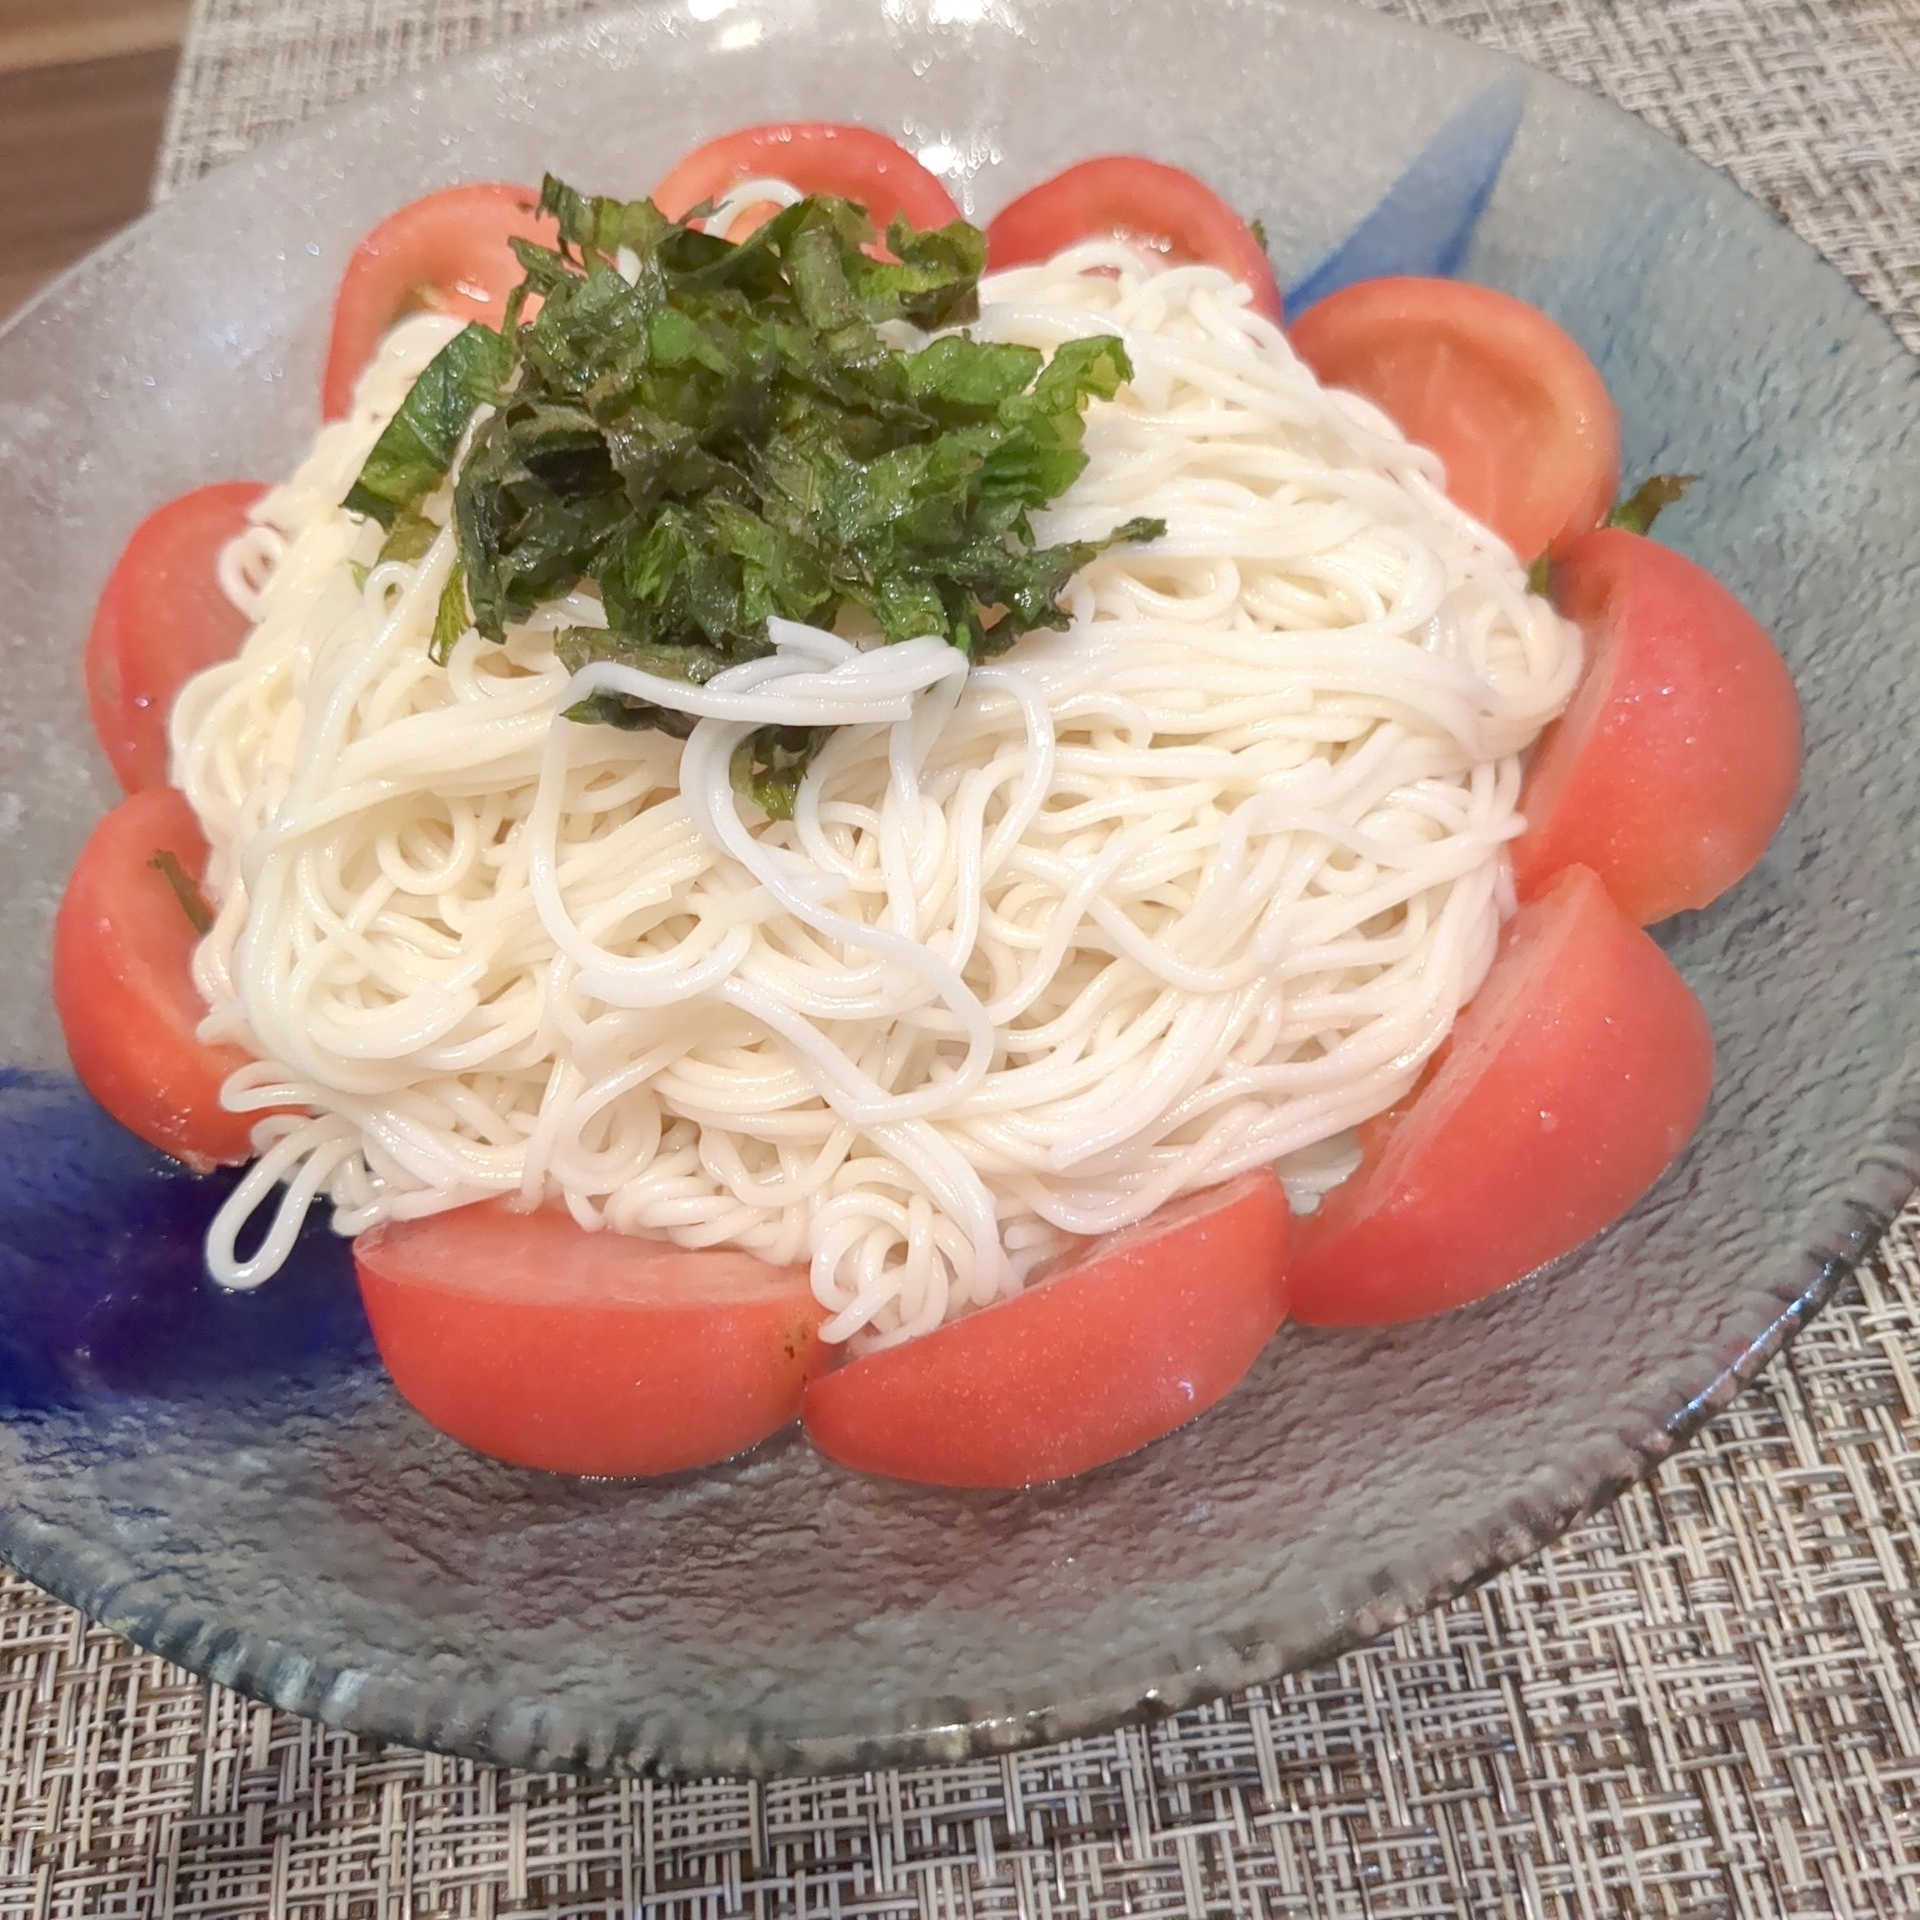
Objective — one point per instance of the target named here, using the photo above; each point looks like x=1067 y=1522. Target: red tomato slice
x=1126 y=1341
x=1506 y=398
x=161 y=618
x=815 y=156
x=532 y=1340
x=1160 y=209
x=447 y=252
x=1676 y=761
x=123 y=986
x=1573 y=1077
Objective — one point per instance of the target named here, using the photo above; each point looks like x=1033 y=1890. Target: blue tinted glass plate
x=232 y=1482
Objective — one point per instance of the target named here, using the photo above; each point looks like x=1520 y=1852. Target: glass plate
x=232 y=1482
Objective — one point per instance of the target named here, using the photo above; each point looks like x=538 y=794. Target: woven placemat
x=1703 y=1703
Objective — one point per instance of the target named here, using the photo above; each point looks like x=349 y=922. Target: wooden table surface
x=83 y=96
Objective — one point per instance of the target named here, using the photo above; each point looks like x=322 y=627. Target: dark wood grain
x=44 y=33
x=83 y=99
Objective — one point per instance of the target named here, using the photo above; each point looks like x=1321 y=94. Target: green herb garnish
x=713 y=434
x=416 y=449
x=411 y=534
x=193 y=903
x=1636 y=513
x=1644 y=505
x=450 y=617
x=769 y=766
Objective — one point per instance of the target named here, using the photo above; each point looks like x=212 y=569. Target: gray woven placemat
x=1703 y=1703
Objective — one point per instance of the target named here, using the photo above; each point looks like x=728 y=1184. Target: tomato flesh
x=1676 y=761
x=123 y=986
x=812 y=156
x=161 y=618
x=1162 y=210
x=528 y=1338
x=1572 y=1079
x=1127 y=1340
x=447 y=252
x=1506 y=397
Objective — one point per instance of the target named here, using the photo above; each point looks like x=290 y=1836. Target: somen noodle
x=1194 y=885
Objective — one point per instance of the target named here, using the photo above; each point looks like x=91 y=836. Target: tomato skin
x=1676 y=761
x=1573 y=1078
x=1505 y=396
x=1165 y=209
x=815 y=156
x=447 y=251
x=526 y=1337
x=1127 y=1340
x=161 y=618
x=123 y=986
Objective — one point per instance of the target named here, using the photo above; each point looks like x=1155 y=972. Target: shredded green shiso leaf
x=193 y=903
x=1649 y=500
x=1636 y=512
x=720 y=433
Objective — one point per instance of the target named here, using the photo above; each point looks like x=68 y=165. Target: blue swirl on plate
x=103 y=1289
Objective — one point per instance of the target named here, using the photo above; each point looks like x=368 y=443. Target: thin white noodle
x=748 y=193
x=1196 y=884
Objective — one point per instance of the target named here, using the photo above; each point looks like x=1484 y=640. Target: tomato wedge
x=1506 y=398
x=123 y=986
x=528 y=1338
x=814 y=156
x=1573 y=1077
x=1162 y=210
x=1676 y=761
x=1126 y=1341
x=447 y=252
x=161 y=618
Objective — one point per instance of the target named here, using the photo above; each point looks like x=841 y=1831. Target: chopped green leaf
x=711 y=435
x=450 y=619
x=417 y=446
x=411 y=534
x=770 y=763
x=1094 y=367
x=606 y=708
x=581 y=646
x=193 y=903
x=1540 y=574
x=593 y=223
x=1644 y=505
x=968 y=379
x=933 y=279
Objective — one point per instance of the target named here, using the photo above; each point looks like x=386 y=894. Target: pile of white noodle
x=1194 y=885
